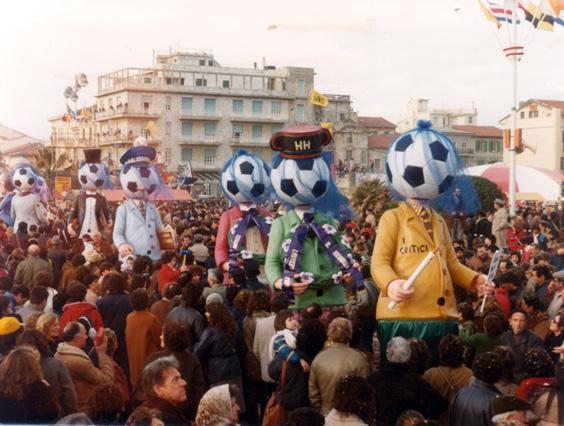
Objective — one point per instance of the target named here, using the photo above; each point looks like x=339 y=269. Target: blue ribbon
x=293 y=257
x=239 y=234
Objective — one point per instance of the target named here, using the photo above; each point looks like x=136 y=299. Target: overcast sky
x=379 y=52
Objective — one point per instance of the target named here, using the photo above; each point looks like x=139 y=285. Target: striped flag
x=502 y=11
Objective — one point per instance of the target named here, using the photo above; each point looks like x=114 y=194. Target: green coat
x=314 y=259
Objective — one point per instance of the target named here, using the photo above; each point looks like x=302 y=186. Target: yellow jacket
x=402 y=242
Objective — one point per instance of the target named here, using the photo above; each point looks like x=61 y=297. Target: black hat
x=505 y=404
x=301 y=141
x=92 y=155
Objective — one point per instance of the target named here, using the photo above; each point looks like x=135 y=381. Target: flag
x=317 y=98
x=70 y=112
x=542 y=16
x=502 y=12
x=327 y=125
x=488 y=13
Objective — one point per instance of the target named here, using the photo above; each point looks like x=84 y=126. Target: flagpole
x=512 y=153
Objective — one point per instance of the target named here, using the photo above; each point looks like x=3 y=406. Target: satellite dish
x=81 y=80
x=68 y=92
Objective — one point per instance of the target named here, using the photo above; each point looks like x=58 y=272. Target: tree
x=373 y=196
x=487 y=191
x=47 y=165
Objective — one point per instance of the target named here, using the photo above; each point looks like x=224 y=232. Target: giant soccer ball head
x=301 y=181
x=245 y=178
x=93 y=176
x=139 y=180
x=421 y=163
x=24 y=178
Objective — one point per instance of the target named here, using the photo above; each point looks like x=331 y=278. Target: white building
x=193 y=109
x=418 y=109
x=542 y=124
x=17 y=144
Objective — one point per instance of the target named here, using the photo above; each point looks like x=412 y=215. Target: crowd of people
x=88 y=339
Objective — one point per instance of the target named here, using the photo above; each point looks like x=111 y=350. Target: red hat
x=300 y=141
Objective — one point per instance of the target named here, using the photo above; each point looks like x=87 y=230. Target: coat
x=143 y=337
x=296 y=392
x=327 y=368
x=28 y=268
x=114 y=309
x=402 y=243
x=73 y=311
x=500 y=226
x=471 y=405
x=102 y=212
x=314 y=259
x=62 y=387
x=84 y=374
x=448 y=380
x=226 y=222
x=191 y=319
x=520 y=347
x=28 y=208
x=139 y=232
x=38 y=405
x=218 y=356
x=264 y=330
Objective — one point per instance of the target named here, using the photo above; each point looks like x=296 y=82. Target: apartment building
x=418 y=109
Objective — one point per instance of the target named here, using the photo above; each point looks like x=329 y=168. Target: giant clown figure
x=137 y=220
x=29 y=205
x=243 y=229
x=91 y=207
x=423 y=169
x=307 y=257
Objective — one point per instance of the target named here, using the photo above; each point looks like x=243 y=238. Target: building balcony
x=465 y=151
x=125 y=112
x=199 y=116
x=199 y=141
x=123 y=140
x=250 y=142
x=262 y=118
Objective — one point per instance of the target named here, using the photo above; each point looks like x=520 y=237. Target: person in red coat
x=76 y=307
x=243 y=229
x=169 y=272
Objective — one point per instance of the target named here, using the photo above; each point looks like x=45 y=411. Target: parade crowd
x=86 y=339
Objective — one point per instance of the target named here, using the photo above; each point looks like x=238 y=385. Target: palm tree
x=372 y=196
x=48 y=166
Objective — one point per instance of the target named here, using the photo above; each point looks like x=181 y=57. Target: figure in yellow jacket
x=409 y=232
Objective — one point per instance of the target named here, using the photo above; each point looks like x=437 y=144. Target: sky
x=381 y=53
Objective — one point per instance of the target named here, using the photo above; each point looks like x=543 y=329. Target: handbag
x=274 y=413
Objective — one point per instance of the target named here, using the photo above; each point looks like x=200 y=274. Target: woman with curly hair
x=174 y=339
x=24 y=396
x=106 y=405
x=218 y=349
x=353 y=403
x=506 y=384
x=539 y=373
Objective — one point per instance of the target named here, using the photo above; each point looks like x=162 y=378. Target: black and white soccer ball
x=93 y=176
x=24 y=178
x=139 y=180
x=422 y=163
x=245 y=178
x=301 y=181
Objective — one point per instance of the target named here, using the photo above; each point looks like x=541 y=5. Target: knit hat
x=9 y=325
x=505 y=404
x=399 y=350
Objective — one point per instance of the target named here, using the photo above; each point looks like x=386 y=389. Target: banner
x=327 y=125
x=63 y=184
x=318 y=99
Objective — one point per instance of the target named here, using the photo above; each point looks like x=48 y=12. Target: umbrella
x=532 y=183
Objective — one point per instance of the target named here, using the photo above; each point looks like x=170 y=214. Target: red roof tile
x=376 y=122
x=381 y=141
x=481 y=131
x=551 y=103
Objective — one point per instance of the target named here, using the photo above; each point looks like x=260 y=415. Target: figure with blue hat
x=423 y=172
x=243 y=229
x=307 y=257
x=6 y=195
x=91 y=207
x=29 y=205
x=137 y=220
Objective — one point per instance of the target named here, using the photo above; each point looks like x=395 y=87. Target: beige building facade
x=418 y=109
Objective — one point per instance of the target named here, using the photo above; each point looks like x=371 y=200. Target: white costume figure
x=28 y=205
x=90 y=207
x=137 y=220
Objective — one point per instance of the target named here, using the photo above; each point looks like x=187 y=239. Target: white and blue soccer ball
x=245 y=178
x=93 y=176
x=139 y=180
x=422 y=163
x=24 y=178
x=301 y=181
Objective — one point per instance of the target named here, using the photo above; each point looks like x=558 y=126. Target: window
x=276 y=108
x=478 y=145
x=238 y=106
x=147 y=80
x=210 y=63
x=168 y=154
x=146 y=102
x=209 y=106
x=167 y=103
x=186 y=129
x=469 y=120
x=225 y=84
x=276 y=128
x=270 y=84
x=168 y=128
x=257 y=107
x=348 y=155
x=257 y=131
x=209 y=131
x=533 y=114
x=562 y=165
x=363 y=157
x=186 y=154
x=349 y=138
x=237 y=132
x=341 y=116
x=201 y=82
x=300 y=87
x=300 y=113
x=186 y=105
x=377 y=165
x=522 y=115
x=202 y=62
x=209 y=157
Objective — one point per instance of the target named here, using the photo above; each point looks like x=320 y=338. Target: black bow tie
x=90 y=195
